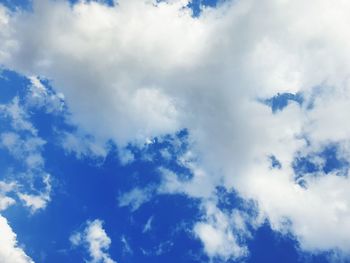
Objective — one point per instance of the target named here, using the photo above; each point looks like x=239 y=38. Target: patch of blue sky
x=86 y=192
x=12 y=85
x=273 y=247
x=228 y=200
x=197 y=5
x=281 y=100
x=27 y=4
x=331 y=162
x=165 y=150
x=14 y=4
x=275 y=163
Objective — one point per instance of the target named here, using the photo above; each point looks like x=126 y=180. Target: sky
x=174 y=131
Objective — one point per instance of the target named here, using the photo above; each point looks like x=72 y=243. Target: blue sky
x=179 y=137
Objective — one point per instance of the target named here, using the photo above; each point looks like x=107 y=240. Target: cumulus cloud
x=10 y=252
x=96 y=240
x=218 y=234
x=140 y=111
x=141 y=69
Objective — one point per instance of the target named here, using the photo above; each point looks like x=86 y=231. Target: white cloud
x=136 y=197
x=83 y=146
x=172 y=184
x=40 y=96
x=5 y=188
x=10 y=252
x=125 y=156
x=126 y=246
x=319 y=211
x=23 y=144
x=218 y=241
x=34 y=202
x=18 y=116
x=141 y=69
x=148 y=225
x=95 y=238
x=220 y=233
x=5 y=202
x=37 y=201
x=26 y=149
x=157 y=112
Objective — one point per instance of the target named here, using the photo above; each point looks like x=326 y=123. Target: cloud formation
x=95 y=238
x=10 y=252
x=22 y=142
x=142 y=69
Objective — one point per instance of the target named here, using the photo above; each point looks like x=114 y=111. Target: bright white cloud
x=10 y=252
x=5 y=202
x=95 y=238
x=219 y=234
x=141 y=69
x=140 y=112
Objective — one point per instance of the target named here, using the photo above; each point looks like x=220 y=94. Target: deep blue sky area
x=86 y=189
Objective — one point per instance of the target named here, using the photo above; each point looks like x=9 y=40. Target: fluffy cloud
x=142 y=69
x=94 y=237
x=10 y=252
x=220 y=233
x=140 y=107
